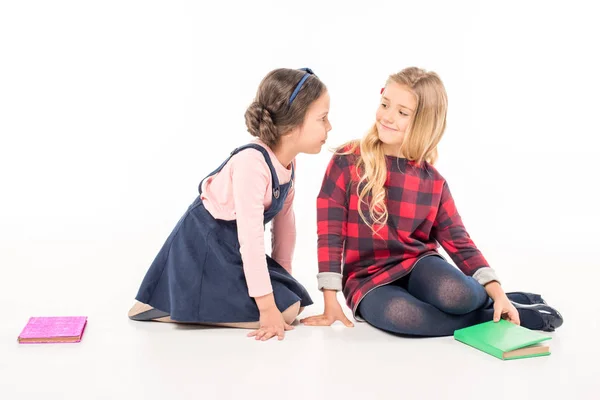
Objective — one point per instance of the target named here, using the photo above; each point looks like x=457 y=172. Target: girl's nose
x=388 y=118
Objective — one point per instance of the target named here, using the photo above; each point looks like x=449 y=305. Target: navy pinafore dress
x=198 y=276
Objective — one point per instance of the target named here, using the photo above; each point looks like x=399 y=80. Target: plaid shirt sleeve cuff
x=485 y=275
x=329 y=281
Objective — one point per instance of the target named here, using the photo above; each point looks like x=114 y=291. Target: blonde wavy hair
x=424 y=132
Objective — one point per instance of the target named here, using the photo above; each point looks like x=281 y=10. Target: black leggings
x=435 y=299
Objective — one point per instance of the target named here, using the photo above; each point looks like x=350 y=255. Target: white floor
x=122 y=359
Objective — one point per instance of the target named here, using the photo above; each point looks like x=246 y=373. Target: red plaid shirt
x=422 y=214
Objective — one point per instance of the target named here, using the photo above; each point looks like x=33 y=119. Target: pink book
x=53 y=330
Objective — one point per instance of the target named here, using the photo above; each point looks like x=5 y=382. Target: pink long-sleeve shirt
x=242 y=191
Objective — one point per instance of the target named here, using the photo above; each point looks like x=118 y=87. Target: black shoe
x=532 y=298
x=551 y=318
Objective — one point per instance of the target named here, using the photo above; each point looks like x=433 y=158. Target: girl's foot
x=145 y=312
x=525 y=298
x=539 y=316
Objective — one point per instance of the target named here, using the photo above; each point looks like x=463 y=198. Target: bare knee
x=290 y=313
x=240 y=325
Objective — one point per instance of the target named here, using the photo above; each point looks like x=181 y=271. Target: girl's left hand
x=503 y=308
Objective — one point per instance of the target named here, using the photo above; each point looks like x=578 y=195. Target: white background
x=112 y=112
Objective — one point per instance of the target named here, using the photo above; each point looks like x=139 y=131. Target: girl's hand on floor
x=272 y=324
x=333 y=312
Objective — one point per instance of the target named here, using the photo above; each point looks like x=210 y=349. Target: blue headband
x=299 y=86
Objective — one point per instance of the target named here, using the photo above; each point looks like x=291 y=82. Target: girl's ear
x=291 y=132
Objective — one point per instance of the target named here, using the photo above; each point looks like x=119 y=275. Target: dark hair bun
x=260 y=124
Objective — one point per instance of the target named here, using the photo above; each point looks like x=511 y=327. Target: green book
x=504 y=340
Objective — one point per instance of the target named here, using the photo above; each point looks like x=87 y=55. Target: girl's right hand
x=272 y=324
x=333 y=312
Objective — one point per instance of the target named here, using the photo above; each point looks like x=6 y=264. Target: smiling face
x=394 y=115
